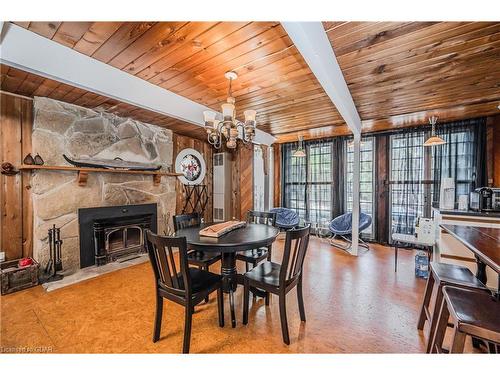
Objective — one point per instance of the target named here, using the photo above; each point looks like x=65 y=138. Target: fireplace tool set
x=55 y=263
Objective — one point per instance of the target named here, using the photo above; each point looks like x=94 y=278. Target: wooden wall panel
x=277 y=175
x=382 y=210
x=181 y=142
x=15 y=199
x=496 y=150
x=245 y=160
x=242 y=181
x=26 y=147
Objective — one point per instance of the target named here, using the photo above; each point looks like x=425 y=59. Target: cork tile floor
x=353 y=305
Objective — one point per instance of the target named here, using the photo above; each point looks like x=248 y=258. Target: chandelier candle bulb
x=250 y=115
x=228 y=111
x=209 y=116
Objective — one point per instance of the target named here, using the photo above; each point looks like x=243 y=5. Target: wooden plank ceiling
x=398 y=73
x=28 y=84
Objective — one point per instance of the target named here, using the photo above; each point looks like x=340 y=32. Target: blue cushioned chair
x=342 y=226
x=285 y=218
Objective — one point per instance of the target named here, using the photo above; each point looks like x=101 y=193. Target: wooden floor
x=353 y=305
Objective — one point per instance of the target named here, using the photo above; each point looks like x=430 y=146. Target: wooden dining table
x=251 y=236
x=484 y=244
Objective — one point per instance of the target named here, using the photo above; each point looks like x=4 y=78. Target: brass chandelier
x=230 y=127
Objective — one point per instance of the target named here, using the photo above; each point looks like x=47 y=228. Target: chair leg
x=220 y=305
x=395 y=259
x=246 y=267
x=300 y=299
x=269 y=254
x=267 y=298
x=158 y=317
x=246 y=300
x=206 y=298
x=284 y=323
x=435 y=316
x=426 y=302
x=438 y=337
x=458 y=341
x=187 y=328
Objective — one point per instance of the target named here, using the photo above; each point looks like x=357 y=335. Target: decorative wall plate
x=192 y=165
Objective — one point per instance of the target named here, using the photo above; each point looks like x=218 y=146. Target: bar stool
x=473 y=313
x=442 y=274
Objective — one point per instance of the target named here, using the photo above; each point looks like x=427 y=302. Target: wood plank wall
x=16 y=219
x=181 y=142
x=277 y=175
x=243 y=181
x=382 y=209
x=495 y=150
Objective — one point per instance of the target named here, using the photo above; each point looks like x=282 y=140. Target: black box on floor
x=14 y=278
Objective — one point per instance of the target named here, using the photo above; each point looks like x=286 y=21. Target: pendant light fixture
x=229 y=128
x=300 y=151
x=434 y=140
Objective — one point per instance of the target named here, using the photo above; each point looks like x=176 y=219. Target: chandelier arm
x=210 y=139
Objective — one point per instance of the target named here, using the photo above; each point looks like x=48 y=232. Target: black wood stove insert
x=110 y=233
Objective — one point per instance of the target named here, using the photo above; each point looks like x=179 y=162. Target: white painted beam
x=28 y=51
x=356 y=175
x=312 y=42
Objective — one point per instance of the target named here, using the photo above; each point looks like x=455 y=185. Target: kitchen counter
x=494 y=214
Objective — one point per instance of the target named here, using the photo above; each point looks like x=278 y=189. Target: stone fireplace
x=113 y=233
x=60 y=128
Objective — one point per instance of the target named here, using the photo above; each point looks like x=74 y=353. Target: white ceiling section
x=28 y=51
x=312 y=42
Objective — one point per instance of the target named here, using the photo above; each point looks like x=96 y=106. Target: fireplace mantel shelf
x=84 y=171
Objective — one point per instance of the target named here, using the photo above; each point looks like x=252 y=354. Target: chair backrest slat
x=186 y=220
x=261 y=217
x=161 y=254
x=296 y=243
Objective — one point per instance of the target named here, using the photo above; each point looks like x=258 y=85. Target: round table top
x=252 y=236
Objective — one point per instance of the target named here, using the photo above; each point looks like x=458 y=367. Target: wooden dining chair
x=255 y=256
x=197 y=258
x=188 y=287
x=279 y=279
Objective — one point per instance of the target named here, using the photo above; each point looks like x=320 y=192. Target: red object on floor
x=25 y=262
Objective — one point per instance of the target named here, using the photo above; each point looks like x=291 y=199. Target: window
x=367 y=180
x=407 y=198
x=308 y=181
x=456 y=159
x=319 y=191
x=416 y=171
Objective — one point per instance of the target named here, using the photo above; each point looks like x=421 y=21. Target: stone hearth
x=61 y=128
